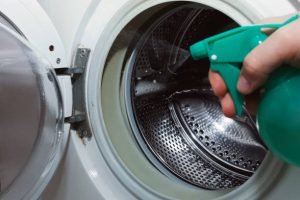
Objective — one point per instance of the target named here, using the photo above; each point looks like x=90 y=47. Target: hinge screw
x=83 y=52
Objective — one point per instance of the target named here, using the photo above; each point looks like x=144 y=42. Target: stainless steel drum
x=178 y=117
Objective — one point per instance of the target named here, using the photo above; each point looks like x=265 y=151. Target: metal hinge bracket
x=79 y=65
x=78 y=120
x=78 y=123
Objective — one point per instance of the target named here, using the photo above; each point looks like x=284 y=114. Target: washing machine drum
x=178 y=117
x=31 y=118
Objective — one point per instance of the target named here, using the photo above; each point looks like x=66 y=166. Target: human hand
x=281 y=47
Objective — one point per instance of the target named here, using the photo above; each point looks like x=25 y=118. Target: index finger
x=217 y=83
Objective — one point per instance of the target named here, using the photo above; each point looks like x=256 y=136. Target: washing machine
x=96 y=106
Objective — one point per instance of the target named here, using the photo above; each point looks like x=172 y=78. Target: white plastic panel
x=70 y=18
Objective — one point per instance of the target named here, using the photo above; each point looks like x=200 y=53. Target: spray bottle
x=278 y=115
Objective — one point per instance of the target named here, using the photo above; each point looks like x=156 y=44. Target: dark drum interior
x=178 y=118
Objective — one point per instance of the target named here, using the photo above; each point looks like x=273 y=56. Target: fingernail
x=244 y=85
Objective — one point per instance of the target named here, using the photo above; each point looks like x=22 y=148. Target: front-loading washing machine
x=136 y=125
x=134 y=151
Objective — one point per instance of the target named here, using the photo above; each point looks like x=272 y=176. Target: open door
x=31 y=119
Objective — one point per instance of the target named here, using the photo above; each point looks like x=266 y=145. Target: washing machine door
x=31 y=119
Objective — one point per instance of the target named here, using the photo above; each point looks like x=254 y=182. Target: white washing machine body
x=103 y=159
x=102 y=170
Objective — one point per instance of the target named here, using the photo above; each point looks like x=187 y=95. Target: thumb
x=281 y=47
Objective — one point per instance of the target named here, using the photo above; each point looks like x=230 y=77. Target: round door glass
x=31 y=118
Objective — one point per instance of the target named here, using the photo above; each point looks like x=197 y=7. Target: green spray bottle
x=278 y=115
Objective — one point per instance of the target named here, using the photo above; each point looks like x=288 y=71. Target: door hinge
x=80 y=62
x=78 y=123
x=78 y=120
x=69 y=71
